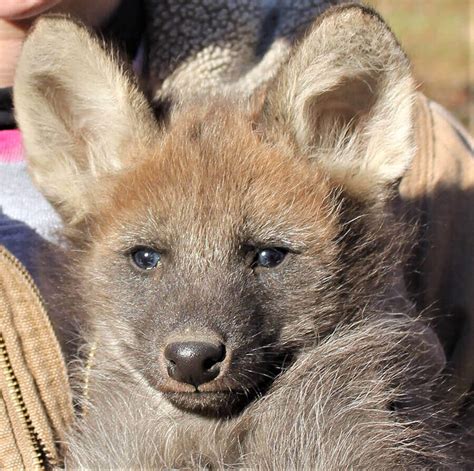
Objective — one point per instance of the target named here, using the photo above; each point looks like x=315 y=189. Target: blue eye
x=145 y=258
x=270 y=257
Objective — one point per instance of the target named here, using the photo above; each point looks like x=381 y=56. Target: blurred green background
x=438 y=36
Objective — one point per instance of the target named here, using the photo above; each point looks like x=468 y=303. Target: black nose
x=194 y=362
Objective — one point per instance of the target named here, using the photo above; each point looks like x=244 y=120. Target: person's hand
x=21 y=9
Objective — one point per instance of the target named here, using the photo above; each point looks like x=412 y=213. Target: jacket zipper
x=41 y=455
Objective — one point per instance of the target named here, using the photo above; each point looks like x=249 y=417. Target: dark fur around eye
x=145 y=258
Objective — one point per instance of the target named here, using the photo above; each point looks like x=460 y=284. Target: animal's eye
x=145 y=258
x=270 y=257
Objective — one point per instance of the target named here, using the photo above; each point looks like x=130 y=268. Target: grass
x=438 y=36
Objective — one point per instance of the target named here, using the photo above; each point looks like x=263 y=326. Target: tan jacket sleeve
x=438 y=193
x=35 y=397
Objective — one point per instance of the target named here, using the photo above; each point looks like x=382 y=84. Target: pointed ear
x=80 y=114
x=345 y=97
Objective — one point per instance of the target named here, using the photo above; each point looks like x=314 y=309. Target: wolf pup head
x=210 y=251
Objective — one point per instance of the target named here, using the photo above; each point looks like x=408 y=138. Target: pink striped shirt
x=11 y=146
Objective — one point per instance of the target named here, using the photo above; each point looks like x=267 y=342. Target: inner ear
x=343 y=107
x=345 y=100
x=80 y=111
x=59 y=102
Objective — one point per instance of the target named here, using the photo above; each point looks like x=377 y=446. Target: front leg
x=361 y=399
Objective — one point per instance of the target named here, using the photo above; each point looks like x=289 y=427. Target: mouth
x=218 y=404
x=234 y=388
x=219 y=398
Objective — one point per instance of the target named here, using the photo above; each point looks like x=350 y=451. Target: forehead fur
x=212 y=172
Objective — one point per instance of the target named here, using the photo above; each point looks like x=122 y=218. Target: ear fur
x=79 y=112
x=346 y=96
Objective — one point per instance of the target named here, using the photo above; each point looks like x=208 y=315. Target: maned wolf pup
x=239 y=264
